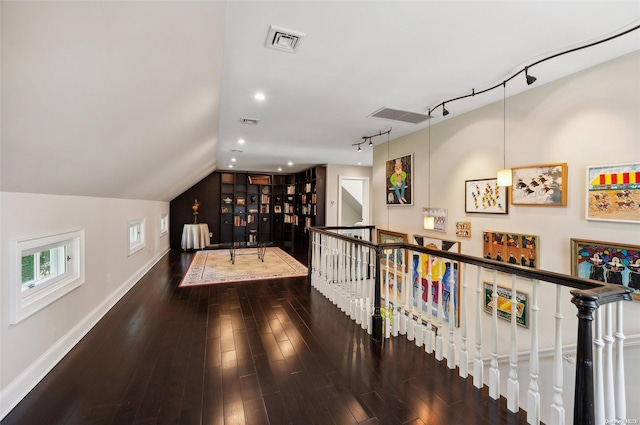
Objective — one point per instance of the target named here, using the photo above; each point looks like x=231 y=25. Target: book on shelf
x=239 y=221
x=225 y=210
x=264 y=209
x=264 y=199
x=253 y=211
x=291 y=190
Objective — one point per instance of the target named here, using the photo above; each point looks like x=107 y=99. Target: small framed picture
x=396 y=256
x=277 y=209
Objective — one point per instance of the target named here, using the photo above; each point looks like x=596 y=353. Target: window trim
x=140 y=243
x=164 y=224
x=26 y=303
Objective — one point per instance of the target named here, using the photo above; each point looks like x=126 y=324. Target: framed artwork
x=394 y=281
x=485 y=196
x=607 y=262
x=613 y=193
x=504 y=304
x=463 y=229
x=277 y=209
x=440 y=218
x=544 y=185
x=396 y=256
x=441 y=270
x=512 y=248
x=399 y=180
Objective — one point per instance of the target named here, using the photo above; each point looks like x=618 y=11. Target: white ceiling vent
x=398 y=115
x=284 y=40
x=251 y=121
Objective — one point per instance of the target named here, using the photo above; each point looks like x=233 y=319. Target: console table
x=195 y=236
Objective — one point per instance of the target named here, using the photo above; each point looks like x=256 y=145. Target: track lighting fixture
x=530 y=78
x=369 y=139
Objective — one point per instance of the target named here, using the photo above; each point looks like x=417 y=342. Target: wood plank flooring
x=267 y=352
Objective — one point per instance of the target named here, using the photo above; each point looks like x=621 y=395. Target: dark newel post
x=376 y=323
x=583 y=411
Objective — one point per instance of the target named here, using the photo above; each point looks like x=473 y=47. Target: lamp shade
x=429 y=222
x=505 y=177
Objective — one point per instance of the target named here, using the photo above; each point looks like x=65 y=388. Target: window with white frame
x=136 y=235
x=164 y=224
x=43 y=270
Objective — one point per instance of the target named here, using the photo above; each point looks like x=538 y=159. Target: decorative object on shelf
x=504 y=304
x=607 y=262
x=399 y=172
x=511 y=248
x=439 y=218
x=194 y=208
x=440 y=269
x=463 y=229
x=485 y=196
x=225 y=210
x=613 y=193
x=396 y=256
x=253 y=199
x=228 y=200
x=259 y=179
x=240 y=200
x=544 y=185
x=277 y=209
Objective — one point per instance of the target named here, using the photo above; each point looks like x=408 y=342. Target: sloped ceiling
x=143 y=99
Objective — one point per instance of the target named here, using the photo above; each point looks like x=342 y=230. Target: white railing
x=426 y=301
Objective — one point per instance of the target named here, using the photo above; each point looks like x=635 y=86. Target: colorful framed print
x=396 y=256
x=504 y=304
x=511 y=248
x=613 y=193
x=439 y=216
x=485 y=196
x=442 y=271
x=399 y=180
x=463 y=229
x=607 y=262
x=391 y=281
x=543 y=185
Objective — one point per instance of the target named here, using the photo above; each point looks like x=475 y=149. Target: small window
x=43 y=270
x=136 y=235
x=164 y=224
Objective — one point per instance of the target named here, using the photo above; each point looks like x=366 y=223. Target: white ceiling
x=143 y=99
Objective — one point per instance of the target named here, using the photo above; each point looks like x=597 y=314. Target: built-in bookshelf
x=309 y=203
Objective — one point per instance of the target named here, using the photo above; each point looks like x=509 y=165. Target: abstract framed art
x=607 y=262
x=613 y=193
x=511 y=248
x=399 y=180
x=543 y=185
x=485 y=196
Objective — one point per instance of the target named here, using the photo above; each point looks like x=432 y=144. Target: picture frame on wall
x=441 y=271
x=542 y=185
x=513 y=248
x=399 y=180
x=439 y=218
x=504 y=304
x=397 y=257
x=608 y=262
x=485 y=196
x=613 y=193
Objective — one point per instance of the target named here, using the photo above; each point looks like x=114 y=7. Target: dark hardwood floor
x=267 y=352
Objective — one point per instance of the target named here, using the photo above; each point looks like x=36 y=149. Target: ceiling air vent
x=398 y=115
x=250 y=121
x=284 y=40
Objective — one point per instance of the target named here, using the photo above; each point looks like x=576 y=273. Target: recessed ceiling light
x=279 y=168
x=289 y=163
x=259 y=96
x=359 y=163
x=241 y=141
x=233 y=160
x=230 y=165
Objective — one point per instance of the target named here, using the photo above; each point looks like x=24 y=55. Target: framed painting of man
x=399 y=180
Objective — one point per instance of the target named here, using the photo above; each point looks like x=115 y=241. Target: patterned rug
x=209 y=267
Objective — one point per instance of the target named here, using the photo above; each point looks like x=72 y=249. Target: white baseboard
x=11 y=395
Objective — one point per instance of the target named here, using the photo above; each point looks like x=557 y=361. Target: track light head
x=370 y=142
x=530 y=78
x=359 y=148
x=444 y=111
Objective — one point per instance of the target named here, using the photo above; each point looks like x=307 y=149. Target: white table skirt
x=195 y=236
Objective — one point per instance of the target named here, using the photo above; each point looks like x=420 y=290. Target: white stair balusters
x=619 y=388
x=451 y=350
x=463 y=370
x=533 y=395
x=478 y=363
x=513 y=385
x=494 y=371
x=557 y=407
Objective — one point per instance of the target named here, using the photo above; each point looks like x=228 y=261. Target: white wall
x=31 y=348
x=589 y=118
x=334 y=171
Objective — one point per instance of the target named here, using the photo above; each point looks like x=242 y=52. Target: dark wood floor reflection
x=267 y=352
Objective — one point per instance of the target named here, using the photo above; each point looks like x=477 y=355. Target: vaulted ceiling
x=141 y=100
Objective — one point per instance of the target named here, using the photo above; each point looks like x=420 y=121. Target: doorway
x=353 y=200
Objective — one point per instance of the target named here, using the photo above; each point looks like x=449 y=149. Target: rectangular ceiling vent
x=250 y=121
x=283 y=40
x=398 y=115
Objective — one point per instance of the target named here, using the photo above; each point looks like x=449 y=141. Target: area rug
x=214 y=266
